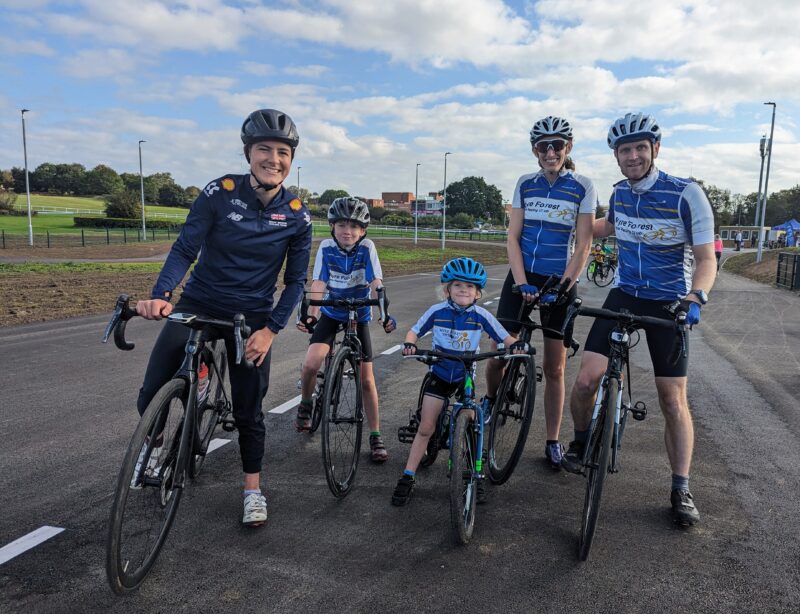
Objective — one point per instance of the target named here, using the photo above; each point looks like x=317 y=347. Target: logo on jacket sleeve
x=295 y=205
x=228 y=184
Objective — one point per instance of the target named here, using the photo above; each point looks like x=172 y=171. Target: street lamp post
x=141 y=184
x=416 y=201
x=298 y=182
x=766 y=183
x=444 y=203
x=762 y=148
x=27 y=181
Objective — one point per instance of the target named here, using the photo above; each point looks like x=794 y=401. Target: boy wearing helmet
x=660 y=221
x=346 y=266
x=456 y=326
x=550 y=233
x=244 y=227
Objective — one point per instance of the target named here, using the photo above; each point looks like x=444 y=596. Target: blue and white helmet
x=633 y=127
x=464 y=269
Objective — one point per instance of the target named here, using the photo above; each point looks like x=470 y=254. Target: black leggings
x=248 y=386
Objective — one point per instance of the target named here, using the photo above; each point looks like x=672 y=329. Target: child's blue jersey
x=656 y=221
x=457 y=332
x=550 y=216
x=347 y=275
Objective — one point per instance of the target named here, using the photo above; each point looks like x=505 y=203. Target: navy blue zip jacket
x=242 y=246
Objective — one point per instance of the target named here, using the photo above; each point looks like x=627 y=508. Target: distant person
x=717 y=249
x=653 y=273
x=550 y=233
x=244 y=228
x=752 y=239
x=739 y=241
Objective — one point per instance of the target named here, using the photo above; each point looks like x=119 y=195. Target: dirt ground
x=36 y=297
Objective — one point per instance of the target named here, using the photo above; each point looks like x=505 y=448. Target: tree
x=69 y=178
x=19 y=179
x=124 y=204
x=153 y=184
x=100 y=180
x=131 y=181
x=398 y=218
x=42 y=178
x=460 y=220
x=328 y=196
x=476 y=198
x=6 y=180
x=172 y=195
x=376 y=214
x=301 y=193
x=7 y=199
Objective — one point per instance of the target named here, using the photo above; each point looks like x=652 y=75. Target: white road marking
x=488 y=302
x=284 y=407
x=215 y=444
x=391 y=350
x=26 y=542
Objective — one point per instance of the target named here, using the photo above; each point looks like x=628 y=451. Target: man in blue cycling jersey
x=660 y=221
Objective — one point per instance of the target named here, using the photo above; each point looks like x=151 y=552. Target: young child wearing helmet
x=456 y=325
x=346 y=266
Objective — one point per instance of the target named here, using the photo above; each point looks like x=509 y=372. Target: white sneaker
x=150 y=469
x=255 y=510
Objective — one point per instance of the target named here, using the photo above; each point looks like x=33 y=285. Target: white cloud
x=101 y=64
x=312 y=71
x=258 y=69
x=17 y=46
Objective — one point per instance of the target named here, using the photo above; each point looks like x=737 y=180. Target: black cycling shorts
x=437 y=387
x=551 y=317
x=660 y=341
x=326 y=328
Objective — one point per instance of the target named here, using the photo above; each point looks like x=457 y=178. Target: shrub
x=123 y=204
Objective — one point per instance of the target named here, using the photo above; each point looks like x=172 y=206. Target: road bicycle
x=601 y=270
x=460 y=429
x=512 y=411
x=162 y=452
x=338 y=405
x=610 y=413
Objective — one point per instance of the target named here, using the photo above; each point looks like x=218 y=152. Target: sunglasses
x=543 y=146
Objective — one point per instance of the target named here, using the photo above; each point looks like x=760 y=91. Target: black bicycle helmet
x=349 y=208
x=269 y=125
x=464 y=269
x=550 y=127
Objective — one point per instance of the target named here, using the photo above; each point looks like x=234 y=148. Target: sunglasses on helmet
x=543 y=146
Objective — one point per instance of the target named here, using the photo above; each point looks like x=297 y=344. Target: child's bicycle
x=338 y=405
x=461 y=430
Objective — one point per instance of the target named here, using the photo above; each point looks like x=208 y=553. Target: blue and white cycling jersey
x=657 y=220
x=551 y=213
x=347 y=274
x=457 y=332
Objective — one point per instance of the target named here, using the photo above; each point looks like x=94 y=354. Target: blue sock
x=256 y=491
x=409 y=473
x=680 y=482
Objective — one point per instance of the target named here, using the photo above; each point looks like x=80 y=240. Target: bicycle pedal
x=228 y=425
x=539 y=373
x=406 y=434
x=639 y=411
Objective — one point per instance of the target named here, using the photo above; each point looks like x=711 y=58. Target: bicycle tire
x=590 y=270
x=598 y=467
x=342 y=422
x=600 y=280
x=145 y=512
x=511 y=419
x=316 y=409
x=210 y=413
x=463 y=483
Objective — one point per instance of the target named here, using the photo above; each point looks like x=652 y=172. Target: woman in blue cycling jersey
x=550 y=233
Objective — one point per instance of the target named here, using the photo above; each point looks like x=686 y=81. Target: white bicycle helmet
x=550 y=127
x=633 y=127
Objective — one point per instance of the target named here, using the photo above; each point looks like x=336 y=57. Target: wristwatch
x=701 y=296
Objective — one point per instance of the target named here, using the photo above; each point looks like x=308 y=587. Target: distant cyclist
x=244 y=228
x=659 y=222
x=553 y=210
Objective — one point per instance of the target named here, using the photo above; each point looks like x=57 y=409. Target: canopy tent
x=792 y=227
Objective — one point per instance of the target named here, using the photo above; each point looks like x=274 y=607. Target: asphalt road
x=67 y=412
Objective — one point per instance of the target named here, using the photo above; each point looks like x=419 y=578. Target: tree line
x=740 y=209
x=102 y=180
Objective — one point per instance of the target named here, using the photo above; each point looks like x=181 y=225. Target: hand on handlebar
x=389 y=324
x=409 y=349
x=154 y=309
x=258 y=345
x=528 y=291
x=519 y=347
x=307 y=325
x=692 y=310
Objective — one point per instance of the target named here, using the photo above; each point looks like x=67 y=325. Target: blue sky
x=376 y=87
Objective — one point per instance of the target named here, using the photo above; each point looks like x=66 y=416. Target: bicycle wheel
x=463 y=480
x=316 y=410
x=590 y=269
x=342 y=421
x=511 y=419
x=598 y=467
x=147 y=496
x=603 y=275
x=210 y=410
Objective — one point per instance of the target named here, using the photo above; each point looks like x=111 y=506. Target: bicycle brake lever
x=119 y=321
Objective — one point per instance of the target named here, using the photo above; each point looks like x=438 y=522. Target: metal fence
x=120 y=236
x=788 y=275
